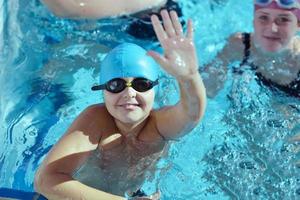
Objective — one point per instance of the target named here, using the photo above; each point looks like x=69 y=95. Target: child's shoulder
x=95 y=120
x=95 y=109
x=236 y=38
x=95 y=113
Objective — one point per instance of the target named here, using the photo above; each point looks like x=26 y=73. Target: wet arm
x=175 y=121
x=96 y=9
x=180 y=60
x=296 y=139
x=214 y=74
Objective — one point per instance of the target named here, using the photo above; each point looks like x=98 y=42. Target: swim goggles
x=117 y=85
x=285 y=4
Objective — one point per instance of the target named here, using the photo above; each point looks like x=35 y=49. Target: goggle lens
x=142 y=85
x=116 y=85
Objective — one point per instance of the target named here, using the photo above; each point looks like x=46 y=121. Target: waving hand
x=179 y=57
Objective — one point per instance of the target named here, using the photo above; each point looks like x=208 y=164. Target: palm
x=179 y=57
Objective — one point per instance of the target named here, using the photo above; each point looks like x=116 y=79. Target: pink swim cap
x=274 y=5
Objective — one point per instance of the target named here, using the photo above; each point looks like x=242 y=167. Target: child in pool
x=109 y=147
x=274 y=42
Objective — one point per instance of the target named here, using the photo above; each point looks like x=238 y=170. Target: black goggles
x=117 y=85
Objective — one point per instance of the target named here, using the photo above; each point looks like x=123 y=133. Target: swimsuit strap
x=246 y=38
x=247 y=45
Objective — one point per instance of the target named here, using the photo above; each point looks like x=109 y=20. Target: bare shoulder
x=237 y=37
x=92 y=122
x=150 y=132
x=95 y=110
x=235 y=41
x=84 y=133
x=75 y=145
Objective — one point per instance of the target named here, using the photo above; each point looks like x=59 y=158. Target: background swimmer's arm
x=179 y=60
x=294 y=139
x=214 y=74
x=54 y=177
x=95 y=9
x=297 y=43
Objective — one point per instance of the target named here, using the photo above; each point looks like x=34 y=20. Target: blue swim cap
x=128 y=60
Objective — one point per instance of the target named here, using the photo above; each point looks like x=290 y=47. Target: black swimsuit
x=141 y=26
x=292 y=88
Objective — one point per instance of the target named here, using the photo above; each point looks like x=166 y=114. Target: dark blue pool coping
x=19 y=194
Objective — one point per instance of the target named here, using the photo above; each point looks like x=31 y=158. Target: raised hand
x=179 y=59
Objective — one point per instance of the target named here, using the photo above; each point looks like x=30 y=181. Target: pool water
x=239 y=151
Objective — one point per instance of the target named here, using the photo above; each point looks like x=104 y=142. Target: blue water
x=239 y=151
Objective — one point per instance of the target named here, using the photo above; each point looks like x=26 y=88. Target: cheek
x=257 y=25
x=110 y=100
x=148 y=100
x=289 y=33
x=151 y=101
x=258 y=31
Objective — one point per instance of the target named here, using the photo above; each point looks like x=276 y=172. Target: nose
x=129 y=92
x=274 y=27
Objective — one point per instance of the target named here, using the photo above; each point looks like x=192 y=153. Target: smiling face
x=129 y=106
x=274 y=29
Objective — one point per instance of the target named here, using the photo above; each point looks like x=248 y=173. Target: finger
x=176 y=23
x=158 y=29
x=190 y=30
x=161 y=60
x=168 y=25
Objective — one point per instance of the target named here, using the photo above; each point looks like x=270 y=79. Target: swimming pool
x=48 y=65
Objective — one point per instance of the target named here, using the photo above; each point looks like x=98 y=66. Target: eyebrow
x=281 y=15
x=262 y=12
x=285 y=15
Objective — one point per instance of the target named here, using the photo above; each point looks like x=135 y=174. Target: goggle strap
x=99 y=87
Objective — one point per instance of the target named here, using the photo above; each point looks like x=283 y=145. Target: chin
x=132 y=118
x=273 y=49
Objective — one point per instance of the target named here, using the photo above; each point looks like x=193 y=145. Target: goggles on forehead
x=117 y=85
x=285 y=4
